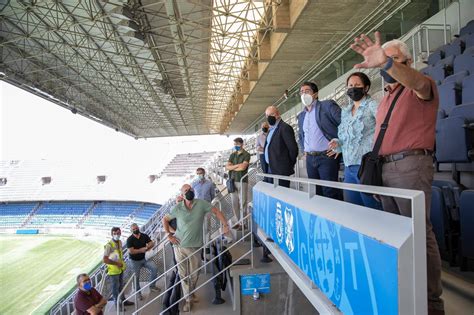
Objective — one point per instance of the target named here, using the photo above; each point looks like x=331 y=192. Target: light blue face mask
x=201 y=177
x=237 y=148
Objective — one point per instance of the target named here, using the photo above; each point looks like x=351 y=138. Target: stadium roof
x=173 y=67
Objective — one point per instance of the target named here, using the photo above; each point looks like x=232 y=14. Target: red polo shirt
x=412 y=124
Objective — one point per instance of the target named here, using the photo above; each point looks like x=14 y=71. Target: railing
x=417 y=304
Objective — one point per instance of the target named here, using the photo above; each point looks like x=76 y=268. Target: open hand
x=373 y=53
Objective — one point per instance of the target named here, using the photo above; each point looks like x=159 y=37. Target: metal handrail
x=132 y=278
x=244 y=236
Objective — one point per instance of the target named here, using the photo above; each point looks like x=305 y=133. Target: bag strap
x=384 y=126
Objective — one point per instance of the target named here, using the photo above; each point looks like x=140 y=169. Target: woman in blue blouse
x=355 y=135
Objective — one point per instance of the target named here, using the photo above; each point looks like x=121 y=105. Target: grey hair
x=402 y=46
x=78 y=278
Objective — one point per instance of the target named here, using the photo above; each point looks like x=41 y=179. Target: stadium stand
x=14 y=214
x=183 y=164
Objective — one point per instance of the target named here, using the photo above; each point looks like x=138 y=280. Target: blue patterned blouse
x=356 y=133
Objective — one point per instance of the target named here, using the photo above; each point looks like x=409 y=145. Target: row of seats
x=452 y=67
x=452 y=218
x=14 y=214
x=66 y=214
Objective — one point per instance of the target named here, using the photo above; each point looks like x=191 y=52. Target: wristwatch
x=388 y=64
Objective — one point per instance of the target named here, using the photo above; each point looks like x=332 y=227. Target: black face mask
x=136 y=232
x=189 y=195
x=271 y=120
x=355 y=93
x=387 y=77
x=265 y=129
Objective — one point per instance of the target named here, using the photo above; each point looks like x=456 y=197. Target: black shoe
x=128 y=303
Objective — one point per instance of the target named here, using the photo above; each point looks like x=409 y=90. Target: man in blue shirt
x=318 y=124
x=204 y=188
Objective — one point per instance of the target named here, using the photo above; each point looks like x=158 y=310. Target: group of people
x=326 y=135
x=193 y=203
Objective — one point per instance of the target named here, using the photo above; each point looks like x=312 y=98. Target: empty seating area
x=184 y=164
x=145 y=213
x=72 y=214
x=109 y=214
x=14 y=214
x=64 y=214
x=452 y=67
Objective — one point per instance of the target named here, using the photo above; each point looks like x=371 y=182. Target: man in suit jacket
x=281 y=149
x=318 y=124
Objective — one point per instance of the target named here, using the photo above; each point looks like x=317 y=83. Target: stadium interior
x=199 y=67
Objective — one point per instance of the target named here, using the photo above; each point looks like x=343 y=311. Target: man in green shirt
x=237 y=166
x=187 y=239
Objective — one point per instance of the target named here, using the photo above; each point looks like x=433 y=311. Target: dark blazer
x=328 y=118
x=282 y=150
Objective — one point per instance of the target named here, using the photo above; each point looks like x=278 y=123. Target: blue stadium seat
x=449 y=96
x=455 y=48
x=455 y=135
x=468 y=29
x=465 y=61
x=466 y=213
x=468 y=89
x=441 y=70
x=435 y=56
x=468 y=40
x=457 y=77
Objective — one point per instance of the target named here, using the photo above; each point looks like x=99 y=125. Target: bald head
x=272 y=111
x=185 y=188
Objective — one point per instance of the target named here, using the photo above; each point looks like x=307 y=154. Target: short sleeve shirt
x=137 y=243
x=412 y=124
x=190 y=222
x=85 y=300
x=236 y=158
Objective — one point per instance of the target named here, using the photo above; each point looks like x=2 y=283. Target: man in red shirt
x=407 y=147
x=87 y=300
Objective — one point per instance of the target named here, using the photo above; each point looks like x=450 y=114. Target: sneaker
x=155 y=289
x=128 y=303
x=187 y=306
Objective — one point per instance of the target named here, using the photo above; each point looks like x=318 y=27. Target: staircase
x=31 y=215
x=86 y=215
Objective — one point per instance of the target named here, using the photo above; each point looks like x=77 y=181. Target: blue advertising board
x=261 y=282
x=357 y=273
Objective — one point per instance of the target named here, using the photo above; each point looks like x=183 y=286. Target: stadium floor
x=37 y=270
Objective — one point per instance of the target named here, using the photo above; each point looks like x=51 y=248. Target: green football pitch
x=37 y=270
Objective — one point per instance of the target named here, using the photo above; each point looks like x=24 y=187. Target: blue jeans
x=325 y=168
x=117 y=285
x=355 y=197
x=137 y=265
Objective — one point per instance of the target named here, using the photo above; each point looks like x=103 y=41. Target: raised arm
x=376 y=57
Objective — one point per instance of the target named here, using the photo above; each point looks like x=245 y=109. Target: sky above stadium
x=33 y=128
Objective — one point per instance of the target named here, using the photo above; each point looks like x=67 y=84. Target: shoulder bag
x=370 y=171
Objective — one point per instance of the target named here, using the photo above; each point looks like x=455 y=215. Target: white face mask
x=116 y=237
x=306 y=99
